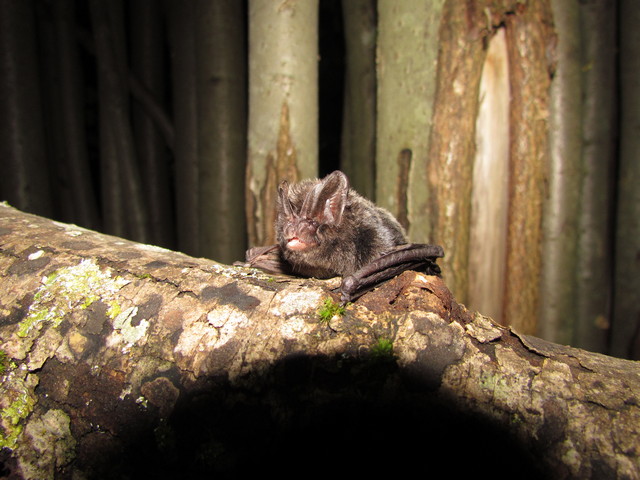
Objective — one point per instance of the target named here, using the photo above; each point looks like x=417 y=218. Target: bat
x=326 y=229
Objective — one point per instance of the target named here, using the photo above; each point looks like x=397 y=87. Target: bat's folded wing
x=266 y=258
x=410 y=256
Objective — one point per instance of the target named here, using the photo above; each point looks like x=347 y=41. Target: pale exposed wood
x=487 y=245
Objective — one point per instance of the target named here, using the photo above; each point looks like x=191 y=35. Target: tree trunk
x=122 y=360
x=625 y=339
x=181 y=25
x=283 y=94
x=452 y=145
x=358 y=153
x=82 y=198
x=221 y=82
x=148 y=67
x=25 y=181
x=595 y=249
x=408 y=41
x=530 y=42
x=123 y=202
x=562 y=202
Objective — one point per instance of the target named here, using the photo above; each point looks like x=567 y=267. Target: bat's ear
x=327 y=200
x=283 y=197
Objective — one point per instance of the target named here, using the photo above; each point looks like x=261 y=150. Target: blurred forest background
x=506 y=131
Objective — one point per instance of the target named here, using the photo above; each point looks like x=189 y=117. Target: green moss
x=330 y=309
x=12 y=417
x=69 y=288
x=5 y=362
x=383 y=348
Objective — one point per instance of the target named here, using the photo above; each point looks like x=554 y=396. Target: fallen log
x=122 y=360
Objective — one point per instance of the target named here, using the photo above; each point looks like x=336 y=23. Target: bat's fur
x=345 y=231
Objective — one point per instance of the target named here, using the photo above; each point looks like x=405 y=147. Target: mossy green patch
x=5 y=362
x=330 y=309
x=11 y=418
x=70 y=288
x=383 y=348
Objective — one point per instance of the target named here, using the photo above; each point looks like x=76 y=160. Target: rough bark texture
x=128 y=361
x=530 y=42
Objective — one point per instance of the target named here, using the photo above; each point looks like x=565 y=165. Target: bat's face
x=299 y=233
x=307 y=210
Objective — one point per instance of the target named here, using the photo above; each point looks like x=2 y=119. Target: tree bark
x=124 y=360
x=530 y=42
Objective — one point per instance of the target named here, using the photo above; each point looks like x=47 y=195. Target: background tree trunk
x=283 y=94
x=626 y=331
x=562 y=204
x=407 y=62
x=452 y=146
x=222 y=110
x=530 y=45
x=358 y=158
x=148 y=67
x=25 y=181
x=126 y=212
x=181 y=25
x=123 y=360
x=595 y=258
x=73 y=164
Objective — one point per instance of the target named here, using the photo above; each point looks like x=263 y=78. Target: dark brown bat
x=325 y=229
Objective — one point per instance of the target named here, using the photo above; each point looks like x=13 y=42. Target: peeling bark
x=130 y=361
